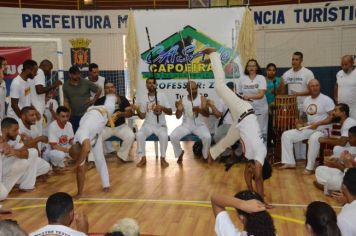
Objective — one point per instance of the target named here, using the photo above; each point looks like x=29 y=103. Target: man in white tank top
x=193 y=107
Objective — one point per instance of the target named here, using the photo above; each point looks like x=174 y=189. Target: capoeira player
x=87 y=137
x=193 y=107
x=244 y=127
x=149 y=110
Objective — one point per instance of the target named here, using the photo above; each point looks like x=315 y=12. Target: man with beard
x=20 y=89
x=340 y=115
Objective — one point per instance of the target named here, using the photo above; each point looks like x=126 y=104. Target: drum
x=284 y=114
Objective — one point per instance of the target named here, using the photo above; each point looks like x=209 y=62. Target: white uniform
x=100 y=83
x=20 y=89
x=48 y=115
x=298 y=81
x=225 y=227
x=2 y=99
x=150 y=125
x=36 y=166
x=244 y=125
x=57 y=230
x=42 y=166
x=11 y=170
x=346 y=90
x=316 y=109
x=38 y=100
x=247 y=86
x=63 y=136
x=346 y=220
x=191 y=124
x=90 y=127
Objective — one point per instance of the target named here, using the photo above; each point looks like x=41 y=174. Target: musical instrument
x=284 y=115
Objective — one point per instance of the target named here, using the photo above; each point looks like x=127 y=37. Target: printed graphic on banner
x=80 y=53
x=15 y=56
x=180 y=56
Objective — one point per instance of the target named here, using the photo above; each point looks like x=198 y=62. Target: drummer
x=297 y=79
x=318 y=108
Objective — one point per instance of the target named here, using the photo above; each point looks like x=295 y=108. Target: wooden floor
x=171 y=201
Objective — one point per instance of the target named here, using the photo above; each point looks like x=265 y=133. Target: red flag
x=15 y=56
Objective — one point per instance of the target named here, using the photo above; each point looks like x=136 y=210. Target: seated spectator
x=329 y=177
x=251 y=211
x=11 y=228
x=94 y=77
x=60 y=215
x=346 y=219
x=320 y=220
x=50 y=109
x=60 y=138
x=125 y=227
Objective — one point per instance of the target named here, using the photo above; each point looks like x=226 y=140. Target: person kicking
x=87 y=137
x=245 y=127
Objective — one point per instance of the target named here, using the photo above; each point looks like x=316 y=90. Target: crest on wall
x=80 y=52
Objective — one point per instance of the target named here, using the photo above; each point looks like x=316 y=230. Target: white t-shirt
x=17 y=143
x=2 y=99
x=298 y=81
x=188 y=116
x=346 y=220
x=38 y=100
x=32 y=132
x=247 y=86
x=47 y=113
x=56 y=230
x=61 y=136
x=146 y=106
x=346 y=88
x=317 y=109
x=21 y=90
x=348 y=123
x=100 y=83
x=225 y=227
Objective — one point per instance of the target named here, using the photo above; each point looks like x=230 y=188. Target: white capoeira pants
x=11 y=170
x=290 y=137
x=145 y=131
x=124 y=132
x=184 y=129
x=36 y=167
x=248 y=129
x=331 y=178
x=56 y=157
x=262 y=119
x=100 y=162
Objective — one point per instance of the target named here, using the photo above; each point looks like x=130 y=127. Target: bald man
x=318 y=108
x=192 y=107
x=88 y=137
x=346 y=84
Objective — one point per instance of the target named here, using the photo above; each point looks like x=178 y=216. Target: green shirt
x=78 y=95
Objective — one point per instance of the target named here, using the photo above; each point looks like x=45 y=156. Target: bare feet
x=180 y=158
x=106 y=189
x=210 y=159
x=27 y=190
x=209 y=50
x=77 y=197
x=287 y=166
x=142 y=163
x=164 y=163
x=91 y=165
x=308 y=172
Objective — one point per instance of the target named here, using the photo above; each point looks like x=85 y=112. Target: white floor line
x=155 y=200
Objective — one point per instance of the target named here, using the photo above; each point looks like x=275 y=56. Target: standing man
x=121 y=130
x=318 y=108
x=3 y=91
x=96 y=79
x=77 y=95
x=39 y=88
x=193 y=107
x=297 y=79
x=155 y=122
x=20 y=89
x=87 y=137
x=346 y=84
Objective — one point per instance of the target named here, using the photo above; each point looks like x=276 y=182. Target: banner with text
x=178 y=38
x=15 y=56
